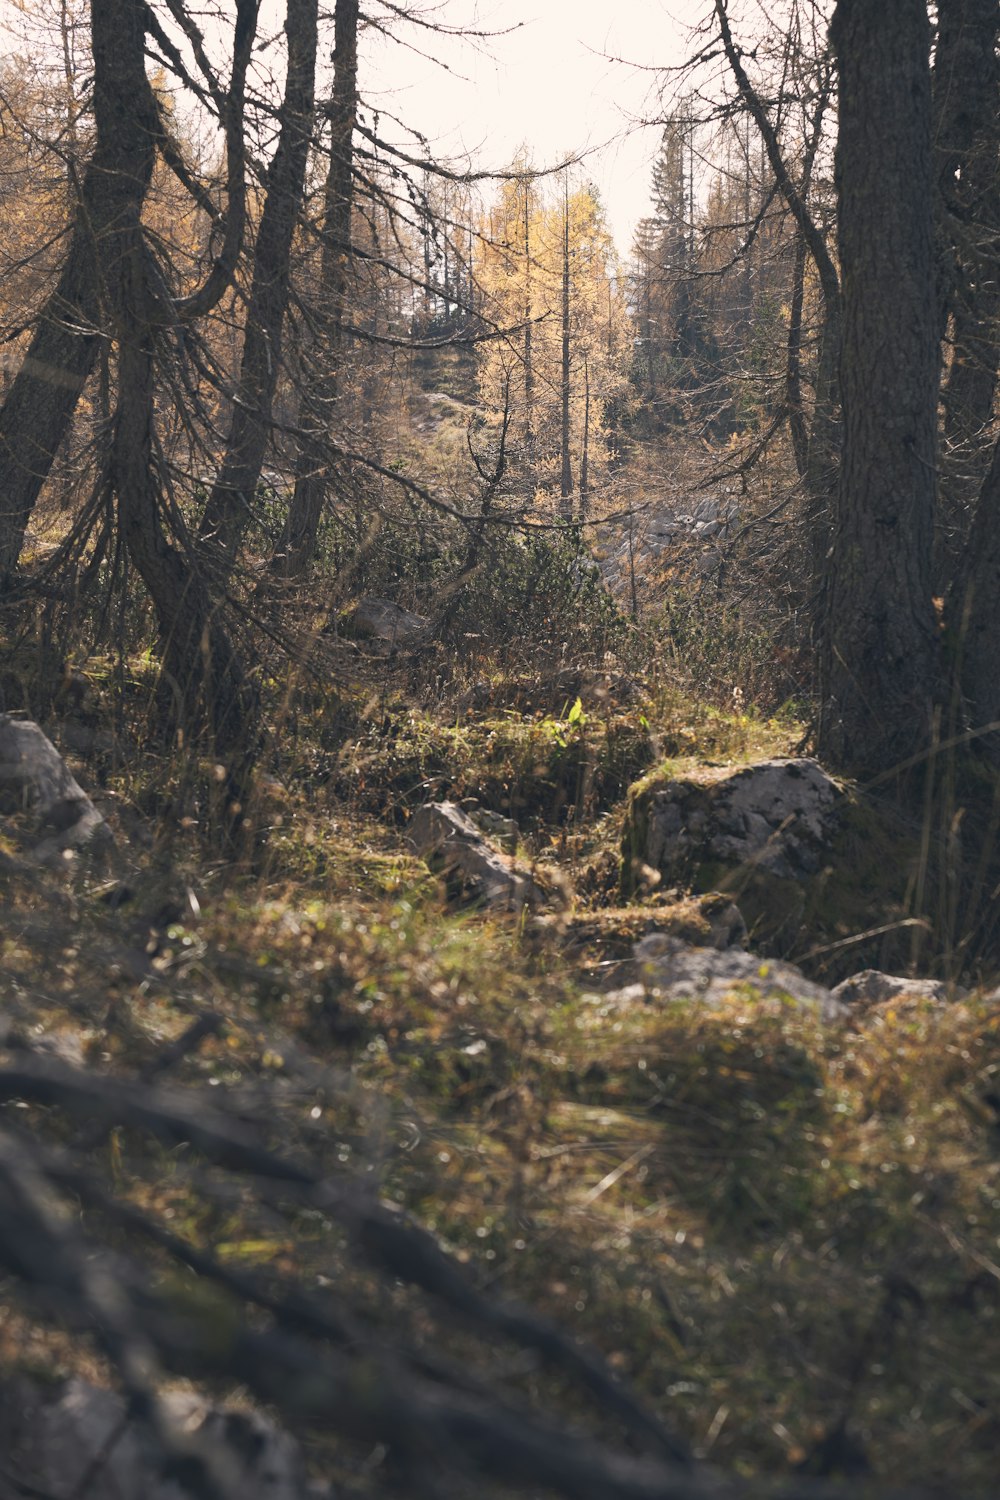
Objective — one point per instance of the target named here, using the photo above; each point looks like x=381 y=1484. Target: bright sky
x=549 y=84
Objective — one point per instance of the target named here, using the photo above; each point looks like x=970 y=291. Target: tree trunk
x=566 y=470
x=230 y=502
x=529 y=368
x=974 y=614
x=967 y=142
x=585 y=454
x=879 y=647
x=198 y=655
x=821 y=455
x=39 y=408
x=298 y=544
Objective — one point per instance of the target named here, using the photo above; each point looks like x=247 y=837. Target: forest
x=499 y=766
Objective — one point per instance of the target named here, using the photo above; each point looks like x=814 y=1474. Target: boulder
x=776 y=815
x=451 y=843
x=600 y=945
x=871 y=987
x=495 y=825
x=810 y=861
x=34 y=778
x=51 y=1438
x=679 y=971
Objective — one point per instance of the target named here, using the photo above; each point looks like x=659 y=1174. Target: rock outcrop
x=34 y=779
x=452 y=844
x=872 y=987
x=52 y=1439
x=776 y=816
x=678 y=971
x=815 y=866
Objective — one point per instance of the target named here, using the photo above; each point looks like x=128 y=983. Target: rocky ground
x=628 y=1006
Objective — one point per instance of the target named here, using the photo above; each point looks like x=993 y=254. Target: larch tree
x=560 y=383
x=230 y=501
x=880 y=640
x=324 y=359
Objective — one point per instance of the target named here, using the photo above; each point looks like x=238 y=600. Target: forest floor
x=785 y=1235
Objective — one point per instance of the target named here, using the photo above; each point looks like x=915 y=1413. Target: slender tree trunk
x=967 y=150
x=880 y=659
x=821 y=464
x=198 y=654
x=529 y=369
x=647 y=321
x=797 y=426
x=566 y=472
x=39 y=408
x=230 y=502
x=585 y=455
x=974 y=613
x=298 y=544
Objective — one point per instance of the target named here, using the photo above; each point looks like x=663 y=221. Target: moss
x=543 y=770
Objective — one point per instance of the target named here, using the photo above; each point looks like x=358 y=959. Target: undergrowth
x=772 y=1226
x=785 y=1234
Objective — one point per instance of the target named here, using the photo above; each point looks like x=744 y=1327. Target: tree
x=966 y=105
x=312 y=467
x=549 y=269
x=880 y=642
x=230 y=500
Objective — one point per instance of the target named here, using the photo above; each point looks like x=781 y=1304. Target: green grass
x=771 y=1227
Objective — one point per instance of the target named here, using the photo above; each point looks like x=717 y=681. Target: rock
x=34 y=776
x=382 y=620
x=450 y=842
x=51 y=1440
x=601 y=944
x=495 y=824
x=775 y=815
x=808 y=862
x=871 y=987
x=682 y=972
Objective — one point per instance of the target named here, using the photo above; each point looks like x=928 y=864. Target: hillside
x=721 y=1230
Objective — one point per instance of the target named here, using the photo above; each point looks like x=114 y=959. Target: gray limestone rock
x=871 y=987
x=450 y=842
x=776 y=815
x=52 y=1439
x=681 y=972
x=35 y=779
x=382 y=620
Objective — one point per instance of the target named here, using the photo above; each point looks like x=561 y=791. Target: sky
x=550 y=83
x=547 y=80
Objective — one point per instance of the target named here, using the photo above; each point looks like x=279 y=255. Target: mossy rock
x=823 y=875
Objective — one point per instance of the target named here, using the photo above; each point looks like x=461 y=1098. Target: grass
x=773 y=1228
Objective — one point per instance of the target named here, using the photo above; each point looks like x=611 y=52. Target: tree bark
x=230 y=502
x=879 y=646
x=298 y=544
x=529 y=368
x=967 y=149
x=197 y=652
x=566 y=468
x=39 y=408
x=974 y=615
